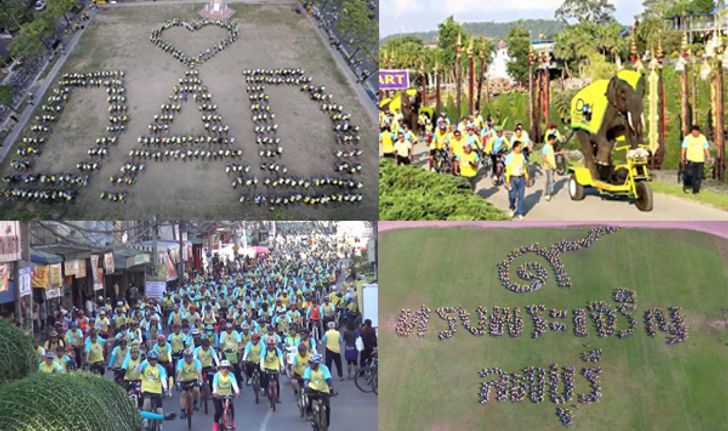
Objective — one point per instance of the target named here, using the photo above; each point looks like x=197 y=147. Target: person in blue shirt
x=118 y=356
x=317 y=383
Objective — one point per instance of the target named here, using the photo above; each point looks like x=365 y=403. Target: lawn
x=428 y=384
x=271 y=37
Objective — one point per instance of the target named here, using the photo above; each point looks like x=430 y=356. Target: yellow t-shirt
x=96 y=353
x=271 y=362
x=548 y=156
x=224 y=384
x=438 y=140
x=317 y=382
x=516 y=165
x=48 y=369
x=466 y=169
x=695 y=148
x=188 y=372
x=254 y=354
x=205 y=357
x=301 y=363
x=386 y=141
x=456 y=145
x=151 y=380
x=177 y=342
x=402 y=148
x=131 y=370
x=332 y=340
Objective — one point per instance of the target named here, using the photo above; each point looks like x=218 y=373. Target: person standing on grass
x=332 y=342
x=516 y=176
x=693 y=154
x=403 y=150
x=468 y=161
x=549 y=165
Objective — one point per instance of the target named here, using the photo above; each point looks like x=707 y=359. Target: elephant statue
x=411 y=107
x=604 y=111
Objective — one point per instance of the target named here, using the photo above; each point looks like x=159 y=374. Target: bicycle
x=255 y=382
x=273 y=388
x=498 y=176
x=205 y=388
x=319 y=419
x=188 y=387
x=153 y=424
x=366 y=377
x=302 y=401
x=133 y=391
x=226 y=421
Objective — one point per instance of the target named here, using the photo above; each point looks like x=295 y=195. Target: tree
x=13 y=13
x=6 y=95
x=59 y=8
x=448 y=39
x=596 y=11
x=356 y=23
x=519 y=44
x=29 y=40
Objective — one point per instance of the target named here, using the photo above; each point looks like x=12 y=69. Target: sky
x=404 y=16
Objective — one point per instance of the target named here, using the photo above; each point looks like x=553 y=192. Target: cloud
x=461 y=6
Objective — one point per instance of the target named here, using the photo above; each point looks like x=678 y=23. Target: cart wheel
x=644 y=197
x=576 y=190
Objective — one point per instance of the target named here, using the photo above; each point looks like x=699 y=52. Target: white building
x=498 y=68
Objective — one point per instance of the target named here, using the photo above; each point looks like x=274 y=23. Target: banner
x=171 y=269
x=390 y=79
x=40 y=276
x=9 y=241
x=56 y=276
x=5 y=269
x=25 y=275
x=98 y=281
x=70 y=267
x=53 y=293
x=109 y=263
x=155 y=289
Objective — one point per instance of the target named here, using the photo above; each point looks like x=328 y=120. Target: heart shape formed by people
x=192 y=26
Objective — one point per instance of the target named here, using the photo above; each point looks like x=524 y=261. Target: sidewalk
x=40 y=91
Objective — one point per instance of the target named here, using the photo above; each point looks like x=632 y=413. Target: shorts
x=403 y=160
x=155 y=399
x=389 y=155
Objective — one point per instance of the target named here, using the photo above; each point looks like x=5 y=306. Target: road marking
x=264 y=425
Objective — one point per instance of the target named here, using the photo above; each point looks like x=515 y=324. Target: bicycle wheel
x=323 y=426
x=362 y=379
x=272 y=394
x=256 y=388
x=188 y=410
x=375 y=383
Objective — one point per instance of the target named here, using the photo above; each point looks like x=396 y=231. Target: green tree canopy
x=448 y=39
x=596 y=11
x=13 y=13
x=356 y=23
x=518 y=47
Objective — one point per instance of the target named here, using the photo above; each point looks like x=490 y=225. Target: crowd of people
x=472 y=148
x=201 y=57
x=676 y=331
x=42 y=187
x=266 y=130
x=535 y=273
x=281 y=313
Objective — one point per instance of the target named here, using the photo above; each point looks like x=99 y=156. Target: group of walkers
x=281 y=313
x=471 y=148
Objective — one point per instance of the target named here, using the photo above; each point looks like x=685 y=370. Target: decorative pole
x=682 y=66
x=471 y=86
x=423 y=76
x=483 y=72
x=458 y=77
x=546 y=59
x=660 y=154
x=633 y=53
x=531 y=101
x=719 y=108
x=437 y=87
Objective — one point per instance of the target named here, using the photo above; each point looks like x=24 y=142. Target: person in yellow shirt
x=456 y=143
x=549 y=165
x=469 y=162
x=154 y=382
x=693 y=154
x=300 y=363
x=317 y=381
x=332 y=340
x=95 y=353
x=223 y=384
x=516 y=176
x=49 y=365
x=403 y=150
x=386 y=142
x=437 y=145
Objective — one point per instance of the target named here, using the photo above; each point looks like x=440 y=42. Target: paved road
x=40 y=91
x=592 y=208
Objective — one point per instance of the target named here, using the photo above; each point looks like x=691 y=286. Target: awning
x=66 y=252
x=44 y=257
x=126 y=258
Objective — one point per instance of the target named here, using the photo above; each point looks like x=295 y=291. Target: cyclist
x=178 y=340
x=207 y=357
x=223 y=384
x=251 y=356
x=300 y=363
x=74 y=340
x=118 y=355
x=189 y=373
x=271 y=362
x=95 y=353
x=317 y=383
x=130 y=366
x=49 y=365
x=154 y=382
x=164 y=352
x=500 y=146
x=230 y=348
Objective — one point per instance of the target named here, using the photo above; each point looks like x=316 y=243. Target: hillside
x=494 y=30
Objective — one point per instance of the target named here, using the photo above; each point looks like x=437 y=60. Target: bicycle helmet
x=195 y=332
x=188 y=353
x=225 y=364
x=255 y=337
x=209 y=328
x=152 y=355
x=315 y=359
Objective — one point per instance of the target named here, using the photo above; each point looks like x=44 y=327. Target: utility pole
x=155 y=254
x=181 y=255
x=24 y=238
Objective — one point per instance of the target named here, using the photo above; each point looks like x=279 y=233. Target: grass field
x=429 y=384
x=271 y=36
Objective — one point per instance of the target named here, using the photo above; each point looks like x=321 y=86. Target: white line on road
x=264 y=425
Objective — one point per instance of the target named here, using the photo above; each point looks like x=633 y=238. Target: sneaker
x=686 y=190
x=248 y=382
x=511 y=213
x=520 y=217
x=548 y=198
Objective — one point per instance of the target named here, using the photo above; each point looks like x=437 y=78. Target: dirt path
x=719 y=229
x=593 y=207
